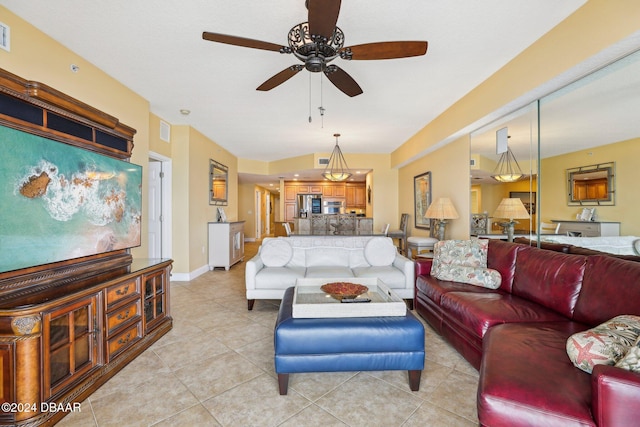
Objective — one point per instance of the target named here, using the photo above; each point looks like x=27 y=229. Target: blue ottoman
x=346 y=344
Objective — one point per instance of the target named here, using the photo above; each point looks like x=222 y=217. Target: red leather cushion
x=477 y=312
x=501 y=256
x=526 y=378
x=551 y=279
x=611 y=287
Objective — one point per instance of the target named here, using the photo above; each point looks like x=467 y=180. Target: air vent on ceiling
x=323 y=161
x=5 y=37
x=165 y=131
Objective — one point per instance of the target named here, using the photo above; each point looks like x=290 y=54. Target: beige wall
x=449 y=167
x=627 y=176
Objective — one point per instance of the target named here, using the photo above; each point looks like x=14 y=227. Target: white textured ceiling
x=155 y=47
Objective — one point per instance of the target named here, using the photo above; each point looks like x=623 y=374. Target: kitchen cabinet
x=226 y=244
x=356 y=196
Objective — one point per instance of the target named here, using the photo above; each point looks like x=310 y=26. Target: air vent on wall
x=323 y=161
x=165 y=131
x=5 y=39
x=472 y=162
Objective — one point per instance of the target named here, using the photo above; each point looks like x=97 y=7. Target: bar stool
x=401 y=234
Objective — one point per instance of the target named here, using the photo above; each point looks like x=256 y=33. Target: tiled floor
x=215 y=368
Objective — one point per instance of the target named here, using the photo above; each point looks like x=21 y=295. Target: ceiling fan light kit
x=318 y=42
x=337 y=169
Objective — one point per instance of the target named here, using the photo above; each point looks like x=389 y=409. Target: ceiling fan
x=317 y=42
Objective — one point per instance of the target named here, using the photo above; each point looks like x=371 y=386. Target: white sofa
x=281 y=261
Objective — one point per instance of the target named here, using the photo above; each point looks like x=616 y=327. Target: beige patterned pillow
x=485 y=277
x=606 y=344
x=631 y=361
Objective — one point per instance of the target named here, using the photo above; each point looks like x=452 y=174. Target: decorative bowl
x=344 y=290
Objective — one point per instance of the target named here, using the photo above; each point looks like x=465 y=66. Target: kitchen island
x=334 y=224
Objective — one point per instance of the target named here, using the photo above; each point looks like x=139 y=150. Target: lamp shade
x=441 y=209
x=511 y=208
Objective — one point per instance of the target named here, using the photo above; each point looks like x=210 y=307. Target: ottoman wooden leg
x=414 y=380
x=283 y=383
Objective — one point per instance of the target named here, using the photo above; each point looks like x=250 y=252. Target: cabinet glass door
x=154 y=299
x=69 y=343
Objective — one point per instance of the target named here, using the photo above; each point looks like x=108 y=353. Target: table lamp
x=511 y=208
x=442 y=210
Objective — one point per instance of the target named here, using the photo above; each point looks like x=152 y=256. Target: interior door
x=154 y=217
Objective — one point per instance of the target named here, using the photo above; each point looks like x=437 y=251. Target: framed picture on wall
x=422 y=199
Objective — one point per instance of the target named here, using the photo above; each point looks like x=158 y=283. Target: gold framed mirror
x=592 y=184
x=218 y=183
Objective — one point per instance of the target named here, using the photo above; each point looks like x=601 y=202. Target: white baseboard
x=186 y=277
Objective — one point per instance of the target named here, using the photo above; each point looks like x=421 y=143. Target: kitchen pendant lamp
x=337 y=169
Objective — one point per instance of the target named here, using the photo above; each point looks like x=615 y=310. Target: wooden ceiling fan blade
x=241 y=41
x=343 y=81
x=280 y=78
x=323 y=15
x=386 y=50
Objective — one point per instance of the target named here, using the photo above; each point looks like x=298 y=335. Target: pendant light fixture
x=337 y=169
x=507 y=169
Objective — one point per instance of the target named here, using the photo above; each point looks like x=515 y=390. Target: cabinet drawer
x=122 y=291
x=124 y=340
x=126 y=314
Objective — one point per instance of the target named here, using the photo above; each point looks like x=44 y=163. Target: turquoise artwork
x=60 y=202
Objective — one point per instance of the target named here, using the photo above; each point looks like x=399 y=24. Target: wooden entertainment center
x=66 y=327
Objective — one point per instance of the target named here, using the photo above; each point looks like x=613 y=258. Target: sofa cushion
x=631 y=361
x=484 y=277
x=477 y=312
x=526 y=378
x=278 y=277
x=327 y=256
x=380 y=251
x=391 y=276
x=611 y=286
x=501 y=256
x=276 y=253
x=329 y=271
x=606 y=344
x=433 y=288
x=551 y=279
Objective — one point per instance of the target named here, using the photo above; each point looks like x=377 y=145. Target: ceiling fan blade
x=323 y=15
x=280 y=78
x=241 y=41
x=385 y=50
x=343 y=81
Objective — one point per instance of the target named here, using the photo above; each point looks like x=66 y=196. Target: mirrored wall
x=590 y=125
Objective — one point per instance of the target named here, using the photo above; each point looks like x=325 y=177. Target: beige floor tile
x=183 y=351
x=434 y=416
x=314 y=385
x=217 y=374
x=267 y=407
x=368 y=401
x=82 y=418
x=457 y=393
x=143 y=405
x=195 y=416
x=313 y=416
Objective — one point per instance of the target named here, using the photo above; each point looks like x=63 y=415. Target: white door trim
x=166 y=202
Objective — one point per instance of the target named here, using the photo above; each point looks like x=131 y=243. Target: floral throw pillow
x=606 y=344
x=631 y=361
x=485 y=277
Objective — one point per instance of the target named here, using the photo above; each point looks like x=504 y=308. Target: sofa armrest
x=405 y=265
x=251 y=269
x=615 y=396
x=423 y=266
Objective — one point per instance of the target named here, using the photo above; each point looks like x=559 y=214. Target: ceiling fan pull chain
x=309 y=97
x=321 y=108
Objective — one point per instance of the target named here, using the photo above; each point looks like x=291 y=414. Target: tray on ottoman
x=309 y=301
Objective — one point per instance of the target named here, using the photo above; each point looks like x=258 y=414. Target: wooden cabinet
x=356 y=196
x=290 y=212
x=590 y=189
x=61 y=341
x=226 y=244
x=588 y=228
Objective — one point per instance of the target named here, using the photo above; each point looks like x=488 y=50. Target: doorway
x=159 y=211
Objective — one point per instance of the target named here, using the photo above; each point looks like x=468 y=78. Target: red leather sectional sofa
x=516 y=335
